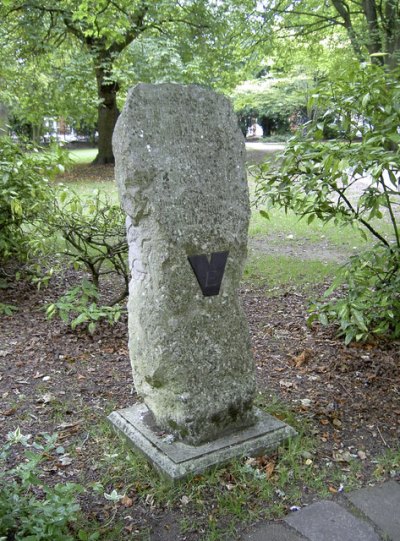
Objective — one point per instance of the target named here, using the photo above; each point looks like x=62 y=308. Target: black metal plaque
x=209 y=273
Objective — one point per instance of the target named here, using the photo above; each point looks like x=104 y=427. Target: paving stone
x=272 y=532
x=382 y=505
x=328 y=521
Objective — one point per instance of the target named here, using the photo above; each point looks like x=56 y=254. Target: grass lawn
x=273 y=271
x=82 y=155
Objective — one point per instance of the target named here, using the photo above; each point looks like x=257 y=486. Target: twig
x=383 y=439
x=85 y=439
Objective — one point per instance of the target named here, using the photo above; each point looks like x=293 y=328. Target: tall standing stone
x=180 y=170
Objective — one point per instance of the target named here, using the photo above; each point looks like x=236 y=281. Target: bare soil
x=56 y=380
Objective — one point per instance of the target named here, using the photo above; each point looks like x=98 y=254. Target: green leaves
x=352 y=180
x=79 y=307
x=25 y=515
x=24 y=194
x=370 y=304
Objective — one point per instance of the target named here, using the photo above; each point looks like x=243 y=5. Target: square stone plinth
x=177 y=460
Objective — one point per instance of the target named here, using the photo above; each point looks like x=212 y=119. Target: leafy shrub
x=50 y=227
x=315 y=180
x=93 y=238
x=370 y=304
x=28 y=508
x=80 y=306
x=24 y=193
x=93 y=229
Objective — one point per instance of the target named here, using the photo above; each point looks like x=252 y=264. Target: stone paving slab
x=328 y=521
x=381 y=504
x=272 y=532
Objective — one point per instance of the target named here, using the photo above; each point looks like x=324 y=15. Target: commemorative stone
x=180 y=171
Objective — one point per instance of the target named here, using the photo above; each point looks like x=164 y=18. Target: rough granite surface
x=180 y=170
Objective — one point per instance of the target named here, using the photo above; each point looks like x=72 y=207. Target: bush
x=24 y=194
x=315 y=180
x=48 y=228
x=94 y=236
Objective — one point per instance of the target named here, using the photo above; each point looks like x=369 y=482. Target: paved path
x=369 y=514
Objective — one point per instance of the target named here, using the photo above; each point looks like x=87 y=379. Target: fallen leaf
x=337 y=423
x=65 y=460
x=46 y=398
x=332 y=490
x=286 y=384
x=269 y=469
x=8 y=413
x=341 y=457
x=126 y=501
x=301 y=359
x=362 y=455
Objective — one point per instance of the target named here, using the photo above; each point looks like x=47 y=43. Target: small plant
x=7 y=309
x=28 y=508
x=79 y=306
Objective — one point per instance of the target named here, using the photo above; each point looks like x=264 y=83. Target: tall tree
x=372 y=26
x=105 y=29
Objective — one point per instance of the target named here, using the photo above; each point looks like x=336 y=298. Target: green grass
x=277 y=271
x=83 y=155
x=290 y=224
x=87 y=188
x=216 y=502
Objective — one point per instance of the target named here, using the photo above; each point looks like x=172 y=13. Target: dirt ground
x=56 y=380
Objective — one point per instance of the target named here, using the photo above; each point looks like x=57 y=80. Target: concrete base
x=178 y=460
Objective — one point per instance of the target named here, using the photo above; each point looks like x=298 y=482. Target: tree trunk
x=342 y=9
x=373 y=42
x=392 y=34
x=107 y=116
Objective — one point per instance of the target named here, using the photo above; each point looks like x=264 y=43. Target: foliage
x=317 y=179
x=24 y=194
x=28 y=508
x=372 y=26
x=273 y=100
x=79 y=306
x=371 y=303
x=7 y=309
x=94 y=232
x=120 y=40
x=93 y=238
x=45 y=227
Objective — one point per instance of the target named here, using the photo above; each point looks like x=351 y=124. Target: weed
x=28 y=508
x=388 y=463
